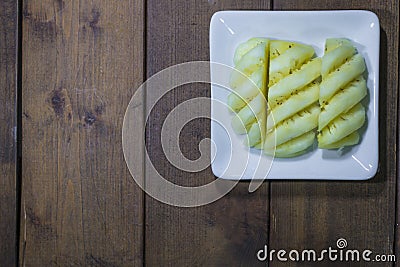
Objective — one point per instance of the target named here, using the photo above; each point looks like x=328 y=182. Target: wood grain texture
x=231 y=230
x=8 y=107
x=82 y=61
x=314 y=215
x=397 y=225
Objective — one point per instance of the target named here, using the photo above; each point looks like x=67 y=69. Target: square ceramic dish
x=231 y=158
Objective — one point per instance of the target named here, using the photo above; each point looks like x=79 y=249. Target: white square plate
x=231 y=158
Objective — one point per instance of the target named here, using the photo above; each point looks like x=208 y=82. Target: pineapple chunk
x=294 y=146
x=248 y=90
x=248 y=114
x=293 y=96
x=248 y=99
x=341 y=77
x=342 y=126
x=289 y=61
x=245 y=47
x=344 y=100
x=250 y=62
x=294 y=104
x=293 y=127
x=294 y=82
x=332 y=43
x=341 y=90
x=256 y=133
x=351 y=139
x=278 y=47
x=336 y=57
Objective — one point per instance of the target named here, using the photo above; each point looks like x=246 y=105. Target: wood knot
x=60 y=103
x=89 y=118
x=95 y=18
x=57 y=100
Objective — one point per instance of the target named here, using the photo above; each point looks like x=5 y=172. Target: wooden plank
x=316 y=214
x=82 y=61
x=8 y=108
x=397 y=226
x=231 y=230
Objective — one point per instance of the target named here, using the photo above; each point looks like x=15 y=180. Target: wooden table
x=68 y=71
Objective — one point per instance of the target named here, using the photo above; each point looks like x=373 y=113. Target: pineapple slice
x=247 y=90
x=296 y=146
x=294 y=82
x=248 y=63
x=341 y=90
x=247 y=115
x=249 y=96
x=342 y=126
x=245 y=47
x=294 y=104
x=293 y=98
x=333 y=43
x=301 y=123
x=288 y=62
x=344 y=100
x=278 y=47
x=338 y=78
x=256 y=133
x=351 y=139
x=334 y=58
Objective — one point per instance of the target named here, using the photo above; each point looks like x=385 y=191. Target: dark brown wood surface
x=315 y=215
x=82 y=61
x=397 y=224
x=8 y=123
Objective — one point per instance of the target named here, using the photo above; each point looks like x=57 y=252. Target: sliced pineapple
x=300 y=123
x=333 y=43
x=249 y=97
x=340 y=77
x=248 y=63
x=247 y=90
x=245 y=47
x=293 y=99
x=256 y=133
x=278 y=47
x=351 y=139
x=344 y=100
x=299 y=101
x=341 y=90
x=294 y=104
x=294 y=82
x=334 y=58
x=247 y=115
x=296 y=146
x=288 y=62
x=342 y=126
